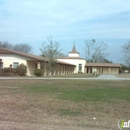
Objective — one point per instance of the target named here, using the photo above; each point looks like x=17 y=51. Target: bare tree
x=51 y=51
x=6 y=45
x=94 y=49
x=23 y=47
x=126 y=52
x=102 y=59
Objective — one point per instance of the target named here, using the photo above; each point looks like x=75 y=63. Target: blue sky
x=31 y=21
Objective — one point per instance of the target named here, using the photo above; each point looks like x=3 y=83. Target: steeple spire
x=73 y=53
x=74 y=48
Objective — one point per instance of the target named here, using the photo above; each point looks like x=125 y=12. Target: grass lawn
x=124 y=75
x=63 y=104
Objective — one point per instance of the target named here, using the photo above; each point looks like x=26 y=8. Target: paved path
x=108 y=77
x=101 y=77
x=111 y=77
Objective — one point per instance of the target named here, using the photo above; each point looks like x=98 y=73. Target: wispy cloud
x=30 y=19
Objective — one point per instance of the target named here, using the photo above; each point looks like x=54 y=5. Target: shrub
x=6 y=70
x=1 y=70
x=21 y=69
x=38 y=72
x=14 y=70
x=129 y=69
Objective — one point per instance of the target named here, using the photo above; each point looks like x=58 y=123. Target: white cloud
x=31 y=19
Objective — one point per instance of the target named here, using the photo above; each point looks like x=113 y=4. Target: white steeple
x=73 y=53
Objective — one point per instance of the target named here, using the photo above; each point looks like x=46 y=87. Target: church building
x=74 y=58
x=73 y=63
x=83 y=67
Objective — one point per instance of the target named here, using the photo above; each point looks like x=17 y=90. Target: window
x=1 y=64
x=15 y=64
x=80 y=67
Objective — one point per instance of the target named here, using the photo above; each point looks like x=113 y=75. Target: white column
x=109 y=70
x=38 y=65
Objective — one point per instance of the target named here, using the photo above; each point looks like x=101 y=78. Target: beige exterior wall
x=73 y=55
x=31 y=67
x=103 y=70
x=114 y=70
x=75 y=62
x=110 y=70
x=9 y=59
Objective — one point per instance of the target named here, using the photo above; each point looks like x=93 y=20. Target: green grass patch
x=66 y=102
x=42 y=89
x=84 y=90
x=96 y=94
x=68 y=112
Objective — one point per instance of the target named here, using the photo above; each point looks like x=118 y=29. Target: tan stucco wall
x=106 y=70
x=31 y=67
x=8 y=59
x=110 y=70
x=114 y=70
x=73 y=55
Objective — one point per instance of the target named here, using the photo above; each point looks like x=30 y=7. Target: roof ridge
x=25 y=54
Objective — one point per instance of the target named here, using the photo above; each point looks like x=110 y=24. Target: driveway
x=108 y=77
x=111 y=77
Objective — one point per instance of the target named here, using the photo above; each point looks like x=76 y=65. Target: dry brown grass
x=23 y=110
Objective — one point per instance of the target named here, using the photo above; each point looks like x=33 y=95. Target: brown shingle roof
x=103 y=65
x=31 y=56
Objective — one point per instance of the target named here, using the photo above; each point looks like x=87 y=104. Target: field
x=63 y=104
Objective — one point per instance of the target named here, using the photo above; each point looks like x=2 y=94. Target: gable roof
x=103 y=65
x=31 y=56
